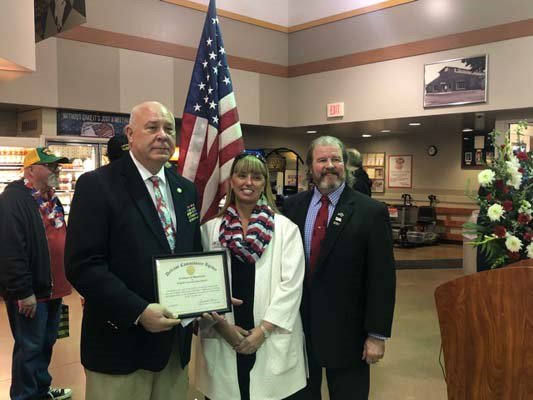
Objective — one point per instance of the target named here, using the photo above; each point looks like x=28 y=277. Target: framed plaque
x=191 y=284
x=400 y=171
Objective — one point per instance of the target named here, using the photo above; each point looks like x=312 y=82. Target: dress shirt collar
x=333 y=196
x=145 y=174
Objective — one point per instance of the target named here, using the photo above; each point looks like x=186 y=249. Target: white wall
x=394 y=89
x=154 y=19
x=301 y=11
x=39 y=88
x=440 y=175
x=411 y=22
x=91 y=77
x=273 y=11
x=17 y=33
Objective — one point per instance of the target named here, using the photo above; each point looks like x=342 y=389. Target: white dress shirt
x=166 y=193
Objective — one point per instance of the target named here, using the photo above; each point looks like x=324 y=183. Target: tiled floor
x=409 y=371
x=442 y=251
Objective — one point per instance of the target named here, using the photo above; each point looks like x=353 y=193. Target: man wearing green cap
x=33 y=283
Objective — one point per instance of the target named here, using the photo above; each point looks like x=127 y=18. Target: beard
x=325 y=184
x=53 y=181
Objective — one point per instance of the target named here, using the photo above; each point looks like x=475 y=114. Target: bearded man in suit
x=122 y=215
x=349 y=291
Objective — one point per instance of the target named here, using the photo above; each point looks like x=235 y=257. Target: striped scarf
x=258 y=235
x=49 y=206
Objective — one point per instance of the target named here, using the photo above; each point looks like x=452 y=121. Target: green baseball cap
x=42 y=155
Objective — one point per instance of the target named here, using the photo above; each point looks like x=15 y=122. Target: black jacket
x=353 y=288
x=114 y=231
x=24 y=257
x=361 y=182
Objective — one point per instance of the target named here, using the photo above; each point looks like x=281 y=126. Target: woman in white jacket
x=257 y=351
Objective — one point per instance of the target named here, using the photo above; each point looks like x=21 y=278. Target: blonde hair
x=250 y=164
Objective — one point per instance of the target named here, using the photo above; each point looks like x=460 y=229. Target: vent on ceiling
x=28 y=125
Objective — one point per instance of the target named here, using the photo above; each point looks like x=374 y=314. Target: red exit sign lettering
x=335 y=110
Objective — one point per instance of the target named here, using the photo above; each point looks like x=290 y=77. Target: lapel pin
x=338 y=219
x=179 y=190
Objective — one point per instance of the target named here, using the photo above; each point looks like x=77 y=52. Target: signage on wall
x=90 y=124
x=335 y=110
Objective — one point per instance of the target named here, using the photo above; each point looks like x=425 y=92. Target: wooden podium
x=486 y=324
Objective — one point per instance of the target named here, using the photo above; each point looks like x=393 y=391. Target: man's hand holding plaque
x=156 y=318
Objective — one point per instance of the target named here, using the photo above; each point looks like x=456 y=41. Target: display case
x=84 y=157
x=11 y=163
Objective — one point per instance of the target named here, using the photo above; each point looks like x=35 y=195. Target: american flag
x=211 y=133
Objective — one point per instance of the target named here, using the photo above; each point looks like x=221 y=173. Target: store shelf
x=10 y=166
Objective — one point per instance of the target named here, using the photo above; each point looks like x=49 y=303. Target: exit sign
x=335 y=110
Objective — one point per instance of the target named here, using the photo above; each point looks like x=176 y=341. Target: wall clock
x=432 y=150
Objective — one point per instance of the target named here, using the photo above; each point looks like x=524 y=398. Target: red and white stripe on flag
x=207 y=155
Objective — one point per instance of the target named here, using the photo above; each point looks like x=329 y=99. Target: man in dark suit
x=122 y=215
x=348 y=299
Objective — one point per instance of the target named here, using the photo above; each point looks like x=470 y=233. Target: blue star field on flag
x=211 y=79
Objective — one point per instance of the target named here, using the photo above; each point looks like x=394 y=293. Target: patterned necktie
x=164 y=214
x=319 y=233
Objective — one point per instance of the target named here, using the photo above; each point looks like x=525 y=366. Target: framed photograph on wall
x=400 y=171
x=455 y=82
x=378 y=186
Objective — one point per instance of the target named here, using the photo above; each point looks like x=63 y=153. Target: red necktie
x=319 y=233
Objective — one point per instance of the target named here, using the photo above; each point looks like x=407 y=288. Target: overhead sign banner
x=90 y=124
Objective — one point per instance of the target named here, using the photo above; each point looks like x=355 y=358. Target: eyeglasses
x=245 y=154
x=55 y=168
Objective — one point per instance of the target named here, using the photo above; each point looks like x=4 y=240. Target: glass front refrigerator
x=84 y=157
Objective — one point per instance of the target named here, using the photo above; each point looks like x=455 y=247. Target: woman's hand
x=216 y=317
x=251 y=343
x=233 y=334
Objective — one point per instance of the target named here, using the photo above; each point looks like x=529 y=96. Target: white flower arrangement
x=495 y=212
x=504 y=229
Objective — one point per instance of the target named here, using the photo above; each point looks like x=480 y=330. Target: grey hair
x=354 y=160
x=325 y=141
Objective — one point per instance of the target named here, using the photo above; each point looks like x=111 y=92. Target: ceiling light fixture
x=366 y=135
x=468 y=130
x=385 y=131
x=414 y=124
x=311 y=131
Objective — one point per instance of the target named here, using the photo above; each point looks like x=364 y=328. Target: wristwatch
x=266 y=332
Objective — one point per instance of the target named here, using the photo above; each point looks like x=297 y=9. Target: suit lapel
x=141 y=198
x=341 y=215
x=180 y=208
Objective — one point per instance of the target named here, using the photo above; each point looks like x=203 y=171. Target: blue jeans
x=34 y=339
